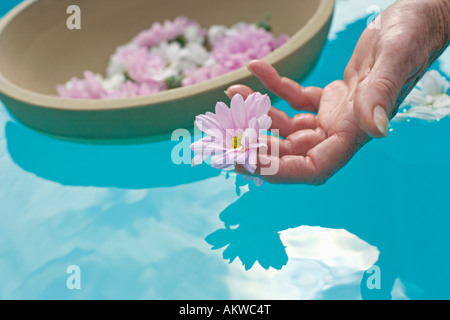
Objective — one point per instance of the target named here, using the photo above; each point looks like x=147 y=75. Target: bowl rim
x=320 y=17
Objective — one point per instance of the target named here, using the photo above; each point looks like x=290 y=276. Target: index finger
x=297 y=96
x=280 y=120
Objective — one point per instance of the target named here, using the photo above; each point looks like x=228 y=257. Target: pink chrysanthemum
x=249 y=43
x=153 y=60
x=88 y=88
x=233 y=134
x=138 y=63
x=91 y=87
x=197 y=75
x=167 y=31
x=131 y=89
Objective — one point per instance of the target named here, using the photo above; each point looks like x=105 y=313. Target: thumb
x=376 y=98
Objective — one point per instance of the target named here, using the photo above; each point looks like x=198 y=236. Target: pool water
x=138 y=226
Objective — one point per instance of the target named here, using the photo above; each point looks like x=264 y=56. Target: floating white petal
x=428 y=101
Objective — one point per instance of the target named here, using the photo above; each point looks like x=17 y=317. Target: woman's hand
x=386 y=65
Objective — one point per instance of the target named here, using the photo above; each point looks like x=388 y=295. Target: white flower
x=428 y=101
x=215 y=33
x=168 y=51
x=115 y=67
x=197 y=53
x=193 y=55
x=194 y=34
x=109 y=84
x=179 y=59
x=112 y=83
x=433 y=83
x=218 y=32
x=238 y=27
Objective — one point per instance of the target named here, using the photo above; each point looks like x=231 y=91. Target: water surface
x=140 y=227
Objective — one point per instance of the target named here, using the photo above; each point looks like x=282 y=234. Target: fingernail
x=228 y=94
x=249 y=67
x=381 y=120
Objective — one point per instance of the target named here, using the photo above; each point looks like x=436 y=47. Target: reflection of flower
x=428 y=101
x=257 y=181
x=233 y=134
x=250 y=244
x=242 y=181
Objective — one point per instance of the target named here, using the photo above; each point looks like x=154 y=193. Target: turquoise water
x=140 y=227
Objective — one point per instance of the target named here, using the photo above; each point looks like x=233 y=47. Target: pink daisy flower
x=233 y=134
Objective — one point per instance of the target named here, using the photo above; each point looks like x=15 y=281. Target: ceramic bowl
x=38 y=51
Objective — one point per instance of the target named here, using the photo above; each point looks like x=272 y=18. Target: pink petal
x=261 y=106
x=249 y=137
x=254 y=124
x=220 y=162
x=265 y=122
x=197 y=160
x=250 y=101
x=238 y=112
x=223 y=114
x=204 y=148
x=206 y=145
x=236 y=156
x=208 y=124
x=250 y=164
x=258 y=181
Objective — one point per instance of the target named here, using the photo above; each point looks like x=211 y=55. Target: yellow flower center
x=237 y=141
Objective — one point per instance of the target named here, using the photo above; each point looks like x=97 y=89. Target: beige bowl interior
x=38 y=51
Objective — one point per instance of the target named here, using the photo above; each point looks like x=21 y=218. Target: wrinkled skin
x=390 y=58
